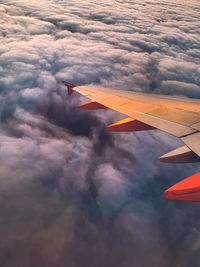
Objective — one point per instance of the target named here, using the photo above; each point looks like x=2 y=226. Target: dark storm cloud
x=71 y=193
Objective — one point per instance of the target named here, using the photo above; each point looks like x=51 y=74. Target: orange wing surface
x=178 y=116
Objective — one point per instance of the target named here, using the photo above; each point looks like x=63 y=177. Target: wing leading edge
x=180 y=118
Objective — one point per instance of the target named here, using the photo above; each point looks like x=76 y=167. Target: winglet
x=186 y=190
x=69 y=86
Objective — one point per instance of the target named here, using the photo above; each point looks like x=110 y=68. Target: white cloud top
x=71 y=194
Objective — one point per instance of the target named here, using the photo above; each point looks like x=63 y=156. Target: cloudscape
x=72 y=194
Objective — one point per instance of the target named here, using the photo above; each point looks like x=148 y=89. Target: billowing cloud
x=71 y=193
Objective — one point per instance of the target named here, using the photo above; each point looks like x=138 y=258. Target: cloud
x=71 y=193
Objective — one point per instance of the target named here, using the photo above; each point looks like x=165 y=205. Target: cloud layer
x=71 y=193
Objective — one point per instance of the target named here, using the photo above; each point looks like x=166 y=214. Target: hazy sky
x=72 y=194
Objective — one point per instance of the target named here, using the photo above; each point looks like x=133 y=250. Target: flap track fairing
x=180 y=155
x=186 y=190
x=128 y=125
x=92 y=105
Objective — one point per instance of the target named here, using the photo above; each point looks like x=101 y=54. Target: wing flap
x=163 y=125
x=176 y=115
x=193 y=142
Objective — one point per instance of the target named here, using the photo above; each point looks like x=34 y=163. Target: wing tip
x=69 y=86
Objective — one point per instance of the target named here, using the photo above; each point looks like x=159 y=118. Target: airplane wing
x=179 y=117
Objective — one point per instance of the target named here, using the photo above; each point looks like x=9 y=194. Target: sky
x=72 y=194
